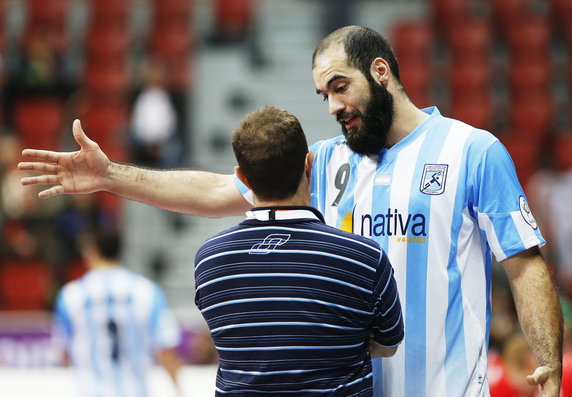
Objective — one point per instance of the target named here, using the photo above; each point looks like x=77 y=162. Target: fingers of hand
x=41 y=155
x=53 y=191
x=40 y=180
x=79 y=135
x=38 y=167
x=539 y=376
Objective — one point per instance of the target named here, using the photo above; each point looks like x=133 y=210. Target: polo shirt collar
x=266 y=214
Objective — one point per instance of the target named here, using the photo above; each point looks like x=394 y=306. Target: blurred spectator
x=507 y=373
x=39 y=70
x=27 y=224
x=112 y=322
x=155 y=126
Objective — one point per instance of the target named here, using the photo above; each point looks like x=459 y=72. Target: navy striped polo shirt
x=290 y=303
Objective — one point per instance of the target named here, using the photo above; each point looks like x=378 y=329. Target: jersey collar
x=266 y=214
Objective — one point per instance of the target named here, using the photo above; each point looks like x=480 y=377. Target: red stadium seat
x=39 y=122
x=171 y=12
x=447 y=12
x=412 y=40
x=527 y=79
x=470 y=40
x=529 y=37
x=171 y=42
x=562 y=149
x=109 y=81
x=50 y=12
x=531 y=118
x=233 y=18
x=106 y=123
x=477 y=111
x=416 y=78
x=25 y=284
x=470 y=78
x=506 y=12
x=110 y=10
x=111 y=42
x=561 y=13
x=525 y=155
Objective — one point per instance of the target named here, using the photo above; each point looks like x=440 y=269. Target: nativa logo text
x=393 y=223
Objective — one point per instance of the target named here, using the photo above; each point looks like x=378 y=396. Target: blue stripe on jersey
x=380 y=199
x=94 y=345
x=456 y=356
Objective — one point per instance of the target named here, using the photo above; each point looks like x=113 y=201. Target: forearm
x=170 y=361
x=538 y=308
x=191 y=192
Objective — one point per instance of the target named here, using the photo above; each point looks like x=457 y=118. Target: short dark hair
x=361 y=45
x=270 y=148
x=107 y=242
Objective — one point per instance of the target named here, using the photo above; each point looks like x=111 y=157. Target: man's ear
x=380 y=70
x=309 y=163
x=241 y=176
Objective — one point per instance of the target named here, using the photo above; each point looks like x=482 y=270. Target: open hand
x=82 y=171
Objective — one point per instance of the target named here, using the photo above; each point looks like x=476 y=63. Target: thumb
x=80 y=136
x=539 y=376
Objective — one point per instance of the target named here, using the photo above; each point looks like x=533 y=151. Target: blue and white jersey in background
x=439 y=202
x=110 y=322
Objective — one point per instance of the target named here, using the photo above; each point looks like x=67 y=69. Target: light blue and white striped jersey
x=438 y=202
x=110 y=322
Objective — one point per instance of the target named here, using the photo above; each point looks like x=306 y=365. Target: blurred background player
x=111 y=323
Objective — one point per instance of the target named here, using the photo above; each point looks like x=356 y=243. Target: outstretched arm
x=540 y=317
x=89 y=170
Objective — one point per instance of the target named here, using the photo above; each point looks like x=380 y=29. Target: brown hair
x=270 y=147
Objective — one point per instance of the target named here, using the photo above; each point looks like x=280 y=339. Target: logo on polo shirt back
x=269 y=244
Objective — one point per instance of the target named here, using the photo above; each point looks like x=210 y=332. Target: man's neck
x=301 y=198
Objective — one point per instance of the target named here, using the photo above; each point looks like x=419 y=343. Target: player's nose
x=334 y=105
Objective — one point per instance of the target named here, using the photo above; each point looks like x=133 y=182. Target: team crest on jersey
x=434 y=178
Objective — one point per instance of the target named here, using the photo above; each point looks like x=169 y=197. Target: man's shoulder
x=329 y=144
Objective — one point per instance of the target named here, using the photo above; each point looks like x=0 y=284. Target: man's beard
x=371 y=137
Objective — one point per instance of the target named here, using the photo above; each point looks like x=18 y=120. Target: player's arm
x=540 y=316
x=378 y=350
x=387 y=331
x=169 y=359
x=89 y=170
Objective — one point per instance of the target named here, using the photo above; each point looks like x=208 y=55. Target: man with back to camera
x=440 y=197
x=112 y=323
x=291 y=302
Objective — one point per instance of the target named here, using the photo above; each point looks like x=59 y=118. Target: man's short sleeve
x=500 y=204
x=165 y=329
x=388 y=320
